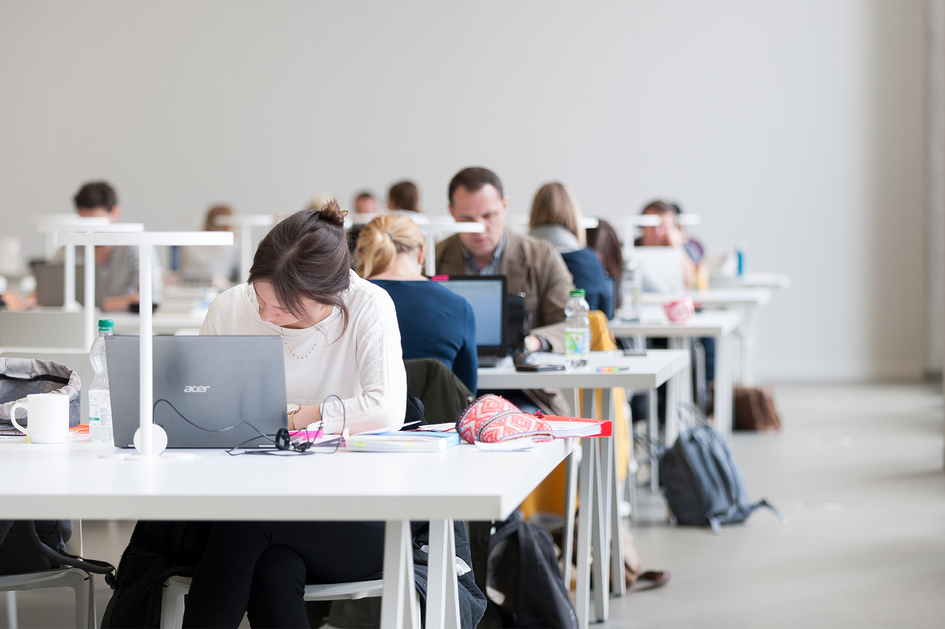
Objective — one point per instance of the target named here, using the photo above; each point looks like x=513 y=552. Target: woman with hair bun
x=434 y=322
x=340 y=338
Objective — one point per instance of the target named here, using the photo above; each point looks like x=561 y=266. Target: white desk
x=599 y=493
x=748 y=300
x=778 y=281
x=162 y=322
x=717 y=324
x=55 y=482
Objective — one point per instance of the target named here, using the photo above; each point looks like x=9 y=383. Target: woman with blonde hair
x=556 y=217
x=434 y=322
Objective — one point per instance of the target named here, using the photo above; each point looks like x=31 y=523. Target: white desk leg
x=632 y=465
x=570 y=500
x=723 y=406
x=442 y=587
x=749 y=337
x=674 y=390
x=91 y=330
x=68 y=298
x=585 y=491
x=653 y=433
x=396 y=607
x=612 y=495
x=600 y=582
x=246 y=250
x=429 y=263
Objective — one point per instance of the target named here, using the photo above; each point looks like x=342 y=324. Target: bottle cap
x=578 y=293
x=105 y=325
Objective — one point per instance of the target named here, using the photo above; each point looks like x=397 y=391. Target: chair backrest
x=602 y=339
x=41 y=328
x=443 y=394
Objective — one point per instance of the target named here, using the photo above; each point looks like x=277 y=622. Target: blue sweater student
x=434 y=321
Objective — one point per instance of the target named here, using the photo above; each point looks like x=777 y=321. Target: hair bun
x=332 y=213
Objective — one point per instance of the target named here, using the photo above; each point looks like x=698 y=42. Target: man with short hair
x=531 y=266
x=119 y=265
x=365 y=203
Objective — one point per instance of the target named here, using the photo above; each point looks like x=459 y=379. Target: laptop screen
x=486 y=295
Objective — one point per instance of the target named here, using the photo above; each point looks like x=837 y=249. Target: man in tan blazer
x=531 y=266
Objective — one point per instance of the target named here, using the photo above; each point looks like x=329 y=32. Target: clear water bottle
x=100 y=403
x=577 y=331
x=631 y=284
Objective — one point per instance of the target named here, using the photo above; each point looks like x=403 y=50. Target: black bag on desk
x=701 y=480
x=20 y=377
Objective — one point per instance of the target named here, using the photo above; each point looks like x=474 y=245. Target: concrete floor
x=857 y=469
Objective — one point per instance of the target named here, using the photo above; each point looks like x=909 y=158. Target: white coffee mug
x=47 y=415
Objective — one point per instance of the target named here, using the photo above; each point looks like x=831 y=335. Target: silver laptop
x=51 y=283
x=230 y=389
x=663 y=269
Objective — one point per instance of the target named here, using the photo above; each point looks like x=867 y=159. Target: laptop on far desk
x=229 y=388
x=486 y=295
x=51 y=283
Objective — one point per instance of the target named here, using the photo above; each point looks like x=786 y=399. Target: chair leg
x=81 y=584
x=12 y=621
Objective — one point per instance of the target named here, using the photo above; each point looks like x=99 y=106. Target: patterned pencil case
x=493 y=419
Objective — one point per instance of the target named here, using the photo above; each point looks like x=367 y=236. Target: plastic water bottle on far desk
x=100 y=403
x=631 y=284
x=577 y=331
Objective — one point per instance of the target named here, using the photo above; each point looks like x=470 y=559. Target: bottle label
x=100 y=408
x=577 y=341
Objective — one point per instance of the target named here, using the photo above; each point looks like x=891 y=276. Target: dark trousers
x=262 y=567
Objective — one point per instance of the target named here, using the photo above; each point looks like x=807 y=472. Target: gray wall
x=797 y=127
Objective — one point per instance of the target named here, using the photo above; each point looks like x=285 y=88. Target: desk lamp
x=150 y=439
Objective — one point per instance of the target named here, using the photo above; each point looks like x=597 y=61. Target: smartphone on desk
x=543 y=367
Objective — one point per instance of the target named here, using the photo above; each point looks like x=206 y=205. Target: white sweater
x=363 y=365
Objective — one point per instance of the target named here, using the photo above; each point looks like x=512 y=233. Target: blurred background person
x=605 y=242
x=365 y=203
x=669 y=234
x=404 y=195
x=556 y=217
x=214 y=266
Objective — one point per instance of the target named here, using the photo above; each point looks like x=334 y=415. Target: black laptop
x=486 y=295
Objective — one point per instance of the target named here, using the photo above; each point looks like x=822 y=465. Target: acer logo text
x=191 y=389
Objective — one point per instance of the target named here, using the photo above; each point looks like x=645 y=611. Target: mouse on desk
x=523 y=358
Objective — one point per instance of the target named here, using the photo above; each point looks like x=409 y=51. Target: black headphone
x=283 y=442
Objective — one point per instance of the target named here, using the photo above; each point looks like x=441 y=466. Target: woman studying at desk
x=434 y=322
x=340 y=337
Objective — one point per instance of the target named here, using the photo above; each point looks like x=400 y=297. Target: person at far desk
x=213 y=266
x=340 y=337
x=531 y=266
x=119 y=265
x=669 y=234
x=556 y=217
x=434 y=322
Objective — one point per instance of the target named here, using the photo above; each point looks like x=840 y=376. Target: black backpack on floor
x=701 y=480
x=524 y=581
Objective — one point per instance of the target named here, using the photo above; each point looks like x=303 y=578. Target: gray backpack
x=20 y=377
x=701 y=480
